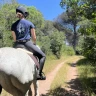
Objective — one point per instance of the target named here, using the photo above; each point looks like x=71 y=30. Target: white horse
x=17 y=72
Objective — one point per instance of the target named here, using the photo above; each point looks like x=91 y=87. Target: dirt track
x=73 y=86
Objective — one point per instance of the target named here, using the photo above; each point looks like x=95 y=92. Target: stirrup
x=41 y=76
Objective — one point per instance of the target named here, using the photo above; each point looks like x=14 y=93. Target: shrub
x=89 y=48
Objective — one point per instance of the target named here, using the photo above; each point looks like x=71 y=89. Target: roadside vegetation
x=87 y=73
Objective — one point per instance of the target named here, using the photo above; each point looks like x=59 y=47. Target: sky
x=49 y=8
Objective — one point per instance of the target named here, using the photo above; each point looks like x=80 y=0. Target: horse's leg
x=0 y=89
x=36 y=87
x=29 y=92
x=36 y=83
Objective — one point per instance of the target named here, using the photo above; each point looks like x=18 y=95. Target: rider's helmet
x=22 y=10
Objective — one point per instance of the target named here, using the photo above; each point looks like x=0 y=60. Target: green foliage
x=79 y=46
x=56 y=43
x=68 y=50
x=46 y=45
x=7 y=17
x=89 y=8
x=87 y=27
x=69 y=3
x=36 y=17
x=89 y=48
x=48 y=28
x=87 y=75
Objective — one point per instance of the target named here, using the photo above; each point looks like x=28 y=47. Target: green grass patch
x=87 y=74
x=60 y=77
x=51 y=63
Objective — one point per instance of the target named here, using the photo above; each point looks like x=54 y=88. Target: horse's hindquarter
x=22 y=87
x=5 y=82
x=11 y=84
x=17 y=63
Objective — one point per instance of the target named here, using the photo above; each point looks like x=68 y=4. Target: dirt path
x=44 y=86
x=72 y=87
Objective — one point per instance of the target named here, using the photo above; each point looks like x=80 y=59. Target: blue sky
x=49 y=8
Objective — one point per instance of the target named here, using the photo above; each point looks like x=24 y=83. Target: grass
x=60 y=77
x=87 y=73
x=51 y=63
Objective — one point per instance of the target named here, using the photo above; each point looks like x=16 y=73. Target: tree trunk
x=74 y=39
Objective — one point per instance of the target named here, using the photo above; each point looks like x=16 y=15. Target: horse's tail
x=0 y=89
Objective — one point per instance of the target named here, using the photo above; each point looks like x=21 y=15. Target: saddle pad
x=32 y=57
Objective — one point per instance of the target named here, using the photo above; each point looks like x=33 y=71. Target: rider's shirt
x=22 y=29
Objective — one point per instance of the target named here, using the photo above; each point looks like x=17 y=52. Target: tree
x=36 y=17
x=7 y=16
x=71 y=17
x=48 y=28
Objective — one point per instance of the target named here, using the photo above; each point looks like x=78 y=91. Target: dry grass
x=51 y=63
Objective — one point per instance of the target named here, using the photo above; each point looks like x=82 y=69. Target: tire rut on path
x=73 y=86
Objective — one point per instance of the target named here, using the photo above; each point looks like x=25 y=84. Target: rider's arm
x=14 y=36
x=33 y=35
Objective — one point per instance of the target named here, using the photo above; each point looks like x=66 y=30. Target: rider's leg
x=42 y=61
x=38 y=52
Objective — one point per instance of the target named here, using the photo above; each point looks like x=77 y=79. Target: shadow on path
x=72 y=88
x=75 y=90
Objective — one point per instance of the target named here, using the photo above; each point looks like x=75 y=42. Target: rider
x=22 y=32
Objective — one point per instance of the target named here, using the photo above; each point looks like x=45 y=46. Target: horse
x=17 y=72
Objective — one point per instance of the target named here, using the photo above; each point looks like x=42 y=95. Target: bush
x=56 y=43
x=89 y=48
x=68 y=50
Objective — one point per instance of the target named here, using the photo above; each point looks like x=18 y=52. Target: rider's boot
x=41 y=76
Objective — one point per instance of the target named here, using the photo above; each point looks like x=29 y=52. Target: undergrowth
x=87 y=73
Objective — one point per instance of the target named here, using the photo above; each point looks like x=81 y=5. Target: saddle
x=32 y=56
